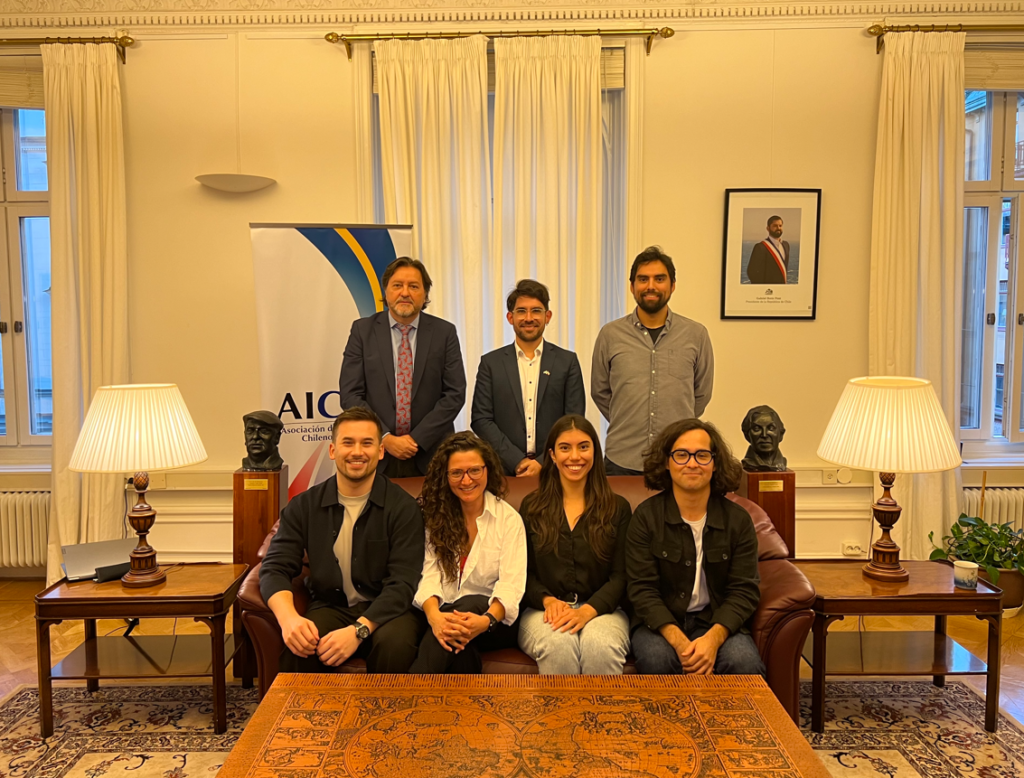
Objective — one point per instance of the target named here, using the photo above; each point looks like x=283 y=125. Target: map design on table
x=456 y=733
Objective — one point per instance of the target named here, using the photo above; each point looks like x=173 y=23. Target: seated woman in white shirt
x=474 y=572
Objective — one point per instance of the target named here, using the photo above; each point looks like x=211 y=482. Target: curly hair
x=543 y=509
x=727 y=474
x=442 y=511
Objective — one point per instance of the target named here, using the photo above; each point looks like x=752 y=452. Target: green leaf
x=938 y=554
x=993 y=574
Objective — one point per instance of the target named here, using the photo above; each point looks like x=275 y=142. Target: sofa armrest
x=252 y=600
x=784 y=591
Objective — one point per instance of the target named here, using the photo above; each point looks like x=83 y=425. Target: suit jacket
x=763 y=269
x=498 y=416
x=438 y=378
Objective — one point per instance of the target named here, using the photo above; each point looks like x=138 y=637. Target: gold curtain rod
x=121 y=41
x=879 y=30
x=333 y=37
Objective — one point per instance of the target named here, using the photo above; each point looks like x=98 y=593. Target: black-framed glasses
x=474 y=472
x=681 y=456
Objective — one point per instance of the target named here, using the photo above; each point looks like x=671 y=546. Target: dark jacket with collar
x=660 y=569
x=498 y=414
x=387 y=548
x=438 y=378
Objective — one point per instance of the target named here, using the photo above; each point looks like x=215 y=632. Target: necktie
x=403 y=384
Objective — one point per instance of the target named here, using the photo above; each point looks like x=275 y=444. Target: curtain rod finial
x=876 y=30
x=332 y=37
x=666 y=32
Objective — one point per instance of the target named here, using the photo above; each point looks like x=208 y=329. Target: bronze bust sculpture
x=262 y=434
x=764 y=431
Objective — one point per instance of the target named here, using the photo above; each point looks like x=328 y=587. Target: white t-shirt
x=343 y=545
x=700 y=598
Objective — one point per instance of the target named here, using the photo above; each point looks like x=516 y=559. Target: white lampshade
x=137 y=427
x=890 y=424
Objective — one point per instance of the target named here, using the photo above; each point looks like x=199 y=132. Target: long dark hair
x=442 y=511
x=727 y=474
x=545 y=512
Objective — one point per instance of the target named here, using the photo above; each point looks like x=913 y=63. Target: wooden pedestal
x=775 y=492
x=258 y=500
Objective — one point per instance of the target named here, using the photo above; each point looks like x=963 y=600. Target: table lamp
x=889 y=424
x=133 y=429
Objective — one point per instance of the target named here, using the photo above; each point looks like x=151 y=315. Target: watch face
x=362 y=631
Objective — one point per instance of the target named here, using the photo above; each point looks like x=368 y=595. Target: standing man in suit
x=522 y=389
x=769 y=259
x=406 y=366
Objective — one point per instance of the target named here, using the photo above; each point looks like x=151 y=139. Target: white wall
x=725 y=108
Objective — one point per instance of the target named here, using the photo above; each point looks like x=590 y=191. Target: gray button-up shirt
x=642 y=389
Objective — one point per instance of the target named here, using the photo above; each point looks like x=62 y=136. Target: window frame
x=17 y=445
x=979 y=445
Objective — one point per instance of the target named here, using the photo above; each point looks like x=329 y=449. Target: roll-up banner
x=312 y=281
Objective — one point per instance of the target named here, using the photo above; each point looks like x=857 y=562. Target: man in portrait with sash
x=769 y=260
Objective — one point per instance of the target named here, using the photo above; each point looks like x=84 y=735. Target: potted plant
x=998 y=550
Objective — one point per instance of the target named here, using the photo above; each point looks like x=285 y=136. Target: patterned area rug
x=873 y=728
x=911 y=729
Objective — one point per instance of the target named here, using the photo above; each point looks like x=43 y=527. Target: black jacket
x=438 y=378
x=498 y=415
x=387 y=548
x=660 y=555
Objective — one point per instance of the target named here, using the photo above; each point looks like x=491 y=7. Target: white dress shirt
x=495 y=568
x=529 y=377
x=701 y=598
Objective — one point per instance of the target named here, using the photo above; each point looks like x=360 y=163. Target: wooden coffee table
x=843 y=590
x=522 y=725
x=203 y=592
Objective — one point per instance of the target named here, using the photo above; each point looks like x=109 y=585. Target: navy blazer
x=438 y=378
x=498 y=415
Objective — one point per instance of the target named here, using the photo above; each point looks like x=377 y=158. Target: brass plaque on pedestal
x=770 y=486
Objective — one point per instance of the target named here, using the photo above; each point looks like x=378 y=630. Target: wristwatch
x=362 y=631
x=494 y=621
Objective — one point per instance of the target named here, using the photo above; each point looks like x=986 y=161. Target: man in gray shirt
x=651 y=368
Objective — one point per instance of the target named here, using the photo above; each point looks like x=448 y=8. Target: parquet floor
x=18 y=640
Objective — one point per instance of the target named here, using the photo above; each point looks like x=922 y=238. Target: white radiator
x=1002 y=506
x=24 y=519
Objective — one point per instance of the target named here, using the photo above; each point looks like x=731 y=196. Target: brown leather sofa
x=779 y=626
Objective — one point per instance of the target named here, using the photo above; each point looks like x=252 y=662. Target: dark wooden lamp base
x=144 y=569
x=885 y=554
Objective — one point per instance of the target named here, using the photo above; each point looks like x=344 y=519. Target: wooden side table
x=843 y=590
x=203 y=592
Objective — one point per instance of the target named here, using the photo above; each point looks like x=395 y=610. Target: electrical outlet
x=158 y=480
x=830 y=476
x=853 y=549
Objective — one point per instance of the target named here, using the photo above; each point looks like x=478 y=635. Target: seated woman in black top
x=576 y=572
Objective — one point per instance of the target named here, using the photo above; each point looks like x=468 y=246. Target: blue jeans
x=654 y=656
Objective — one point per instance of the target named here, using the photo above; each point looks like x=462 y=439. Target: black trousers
x=610 y=468
x=390 y=649
x=432 y=658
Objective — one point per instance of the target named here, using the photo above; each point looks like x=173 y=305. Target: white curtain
x=436 y=171
x=916 y=247
x=89 y=276
x=547 y=182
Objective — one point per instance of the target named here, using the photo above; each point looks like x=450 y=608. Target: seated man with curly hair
x=691 y=560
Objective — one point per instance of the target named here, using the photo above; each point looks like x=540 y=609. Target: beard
x=357 y=477
x=527 y=336
x=648 y=305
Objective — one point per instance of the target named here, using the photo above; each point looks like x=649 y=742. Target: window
x=614 y=262
x=26 y=385
x=992 y=333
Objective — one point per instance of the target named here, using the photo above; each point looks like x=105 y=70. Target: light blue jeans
x=599 y=648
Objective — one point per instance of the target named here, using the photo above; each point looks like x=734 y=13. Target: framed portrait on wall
x=770 y=258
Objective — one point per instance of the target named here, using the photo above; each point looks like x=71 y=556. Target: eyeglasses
x=474 y=472
x=531 y=311
x=681 y=456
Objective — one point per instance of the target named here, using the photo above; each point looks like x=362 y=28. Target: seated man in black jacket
x=691 y=560
x=364 y=539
